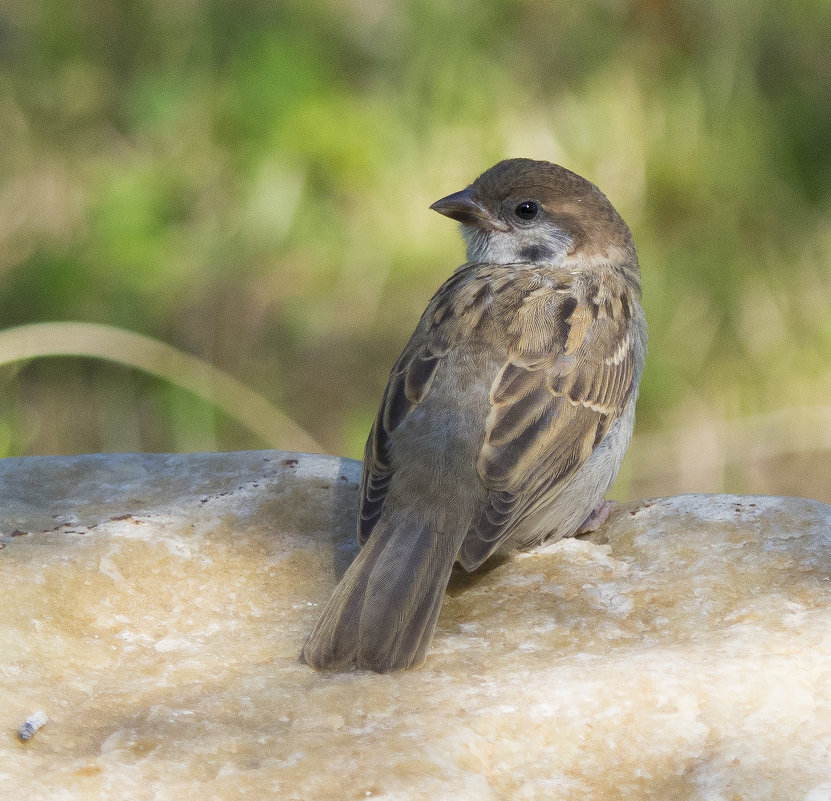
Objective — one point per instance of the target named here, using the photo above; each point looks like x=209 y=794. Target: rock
x=154 y=607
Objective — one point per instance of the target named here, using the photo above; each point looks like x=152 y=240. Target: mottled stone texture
x=153 y=607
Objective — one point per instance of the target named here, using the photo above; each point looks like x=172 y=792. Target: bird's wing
x=567 y=378
x=449 y=320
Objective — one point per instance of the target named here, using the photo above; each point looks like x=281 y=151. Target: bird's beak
x=466 y=209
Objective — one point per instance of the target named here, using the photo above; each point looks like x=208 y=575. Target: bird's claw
x=597 y=518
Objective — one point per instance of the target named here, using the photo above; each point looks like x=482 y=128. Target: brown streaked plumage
x=507 y=415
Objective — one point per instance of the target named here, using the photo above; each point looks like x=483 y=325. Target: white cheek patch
x=478 y=243
x=537 y=245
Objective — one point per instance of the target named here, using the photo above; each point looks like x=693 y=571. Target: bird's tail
x=383 y=613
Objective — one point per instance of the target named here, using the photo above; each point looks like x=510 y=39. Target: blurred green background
x=249 y=182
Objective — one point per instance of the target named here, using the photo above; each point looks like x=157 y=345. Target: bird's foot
x=597 y=517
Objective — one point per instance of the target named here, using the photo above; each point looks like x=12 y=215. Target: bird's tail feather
x=383 y=613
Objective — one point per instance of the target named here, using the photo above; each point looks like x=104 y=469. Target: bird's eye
x=527 y=210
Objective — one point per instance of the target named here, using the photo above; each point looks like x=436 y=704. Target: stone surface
x=153 y=608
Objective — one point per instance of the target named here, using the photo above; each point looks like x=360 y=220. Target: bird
x=505 y=419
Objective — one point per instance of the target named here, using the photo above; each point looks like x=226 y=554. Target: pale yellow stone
x=153 y=608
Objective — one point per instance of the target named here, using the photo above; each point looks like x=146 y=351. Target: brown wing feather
x=549 y=410
x=450 y=318
x=567 y=376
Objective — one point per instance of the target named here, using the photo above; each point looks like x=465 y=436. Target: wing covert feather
x=550 y=410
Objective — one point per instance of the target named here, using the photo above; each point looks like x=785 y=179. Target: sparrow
x=506 y=417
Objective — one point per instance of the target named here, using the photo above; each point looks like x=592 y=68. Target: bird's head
x=526 y=211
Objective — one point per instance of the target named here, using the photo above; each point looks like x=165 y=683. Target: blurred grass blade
x=164 y=361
